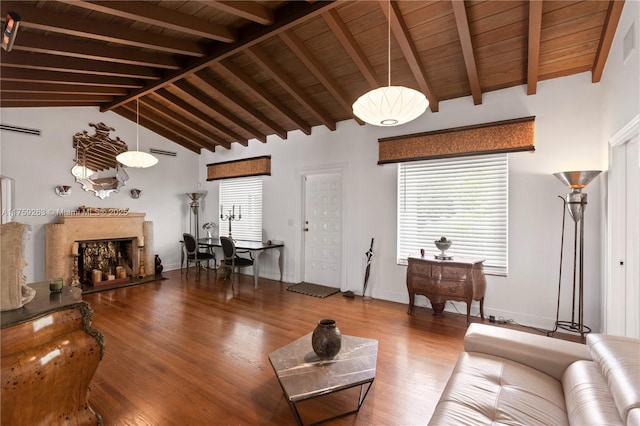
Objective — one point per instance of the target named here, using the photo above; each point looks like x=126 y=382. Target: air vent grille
x=23 y=130
x=163 y=152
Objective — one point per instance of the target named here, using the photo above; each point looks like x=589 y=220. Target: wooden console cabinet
x=50 y=353
x=461 y=279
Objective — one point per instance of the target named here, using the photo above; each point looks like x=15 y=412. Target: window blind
x=464 y=199
x=246 y=195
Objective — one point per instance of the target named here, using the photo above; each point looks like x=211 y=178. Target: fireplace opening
x=102 y=262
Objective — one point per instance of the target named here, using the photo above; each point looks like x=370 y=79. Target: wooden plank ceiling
x=209 y=74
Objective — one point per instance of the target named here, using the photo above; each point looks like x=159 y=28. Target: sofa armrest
x=546 y=354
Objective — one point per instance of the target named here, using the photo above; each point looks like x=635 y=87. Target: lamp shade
x=390 y=106
x=577 y=179
x=137 y=159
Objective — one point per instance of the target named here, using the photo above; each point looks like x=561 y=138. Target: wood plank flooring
x=192 y=351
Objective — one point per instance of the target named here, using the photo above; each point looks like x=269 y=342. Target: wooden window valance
x=239 y=168
x=490 y=138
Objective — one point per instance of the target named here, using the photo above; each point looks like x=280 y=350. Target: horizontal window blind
x=246 y=195
x=464 y=199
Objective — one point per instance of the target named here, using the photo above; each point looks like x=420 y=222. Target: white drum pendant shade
x=137 y=159
x=390 y=106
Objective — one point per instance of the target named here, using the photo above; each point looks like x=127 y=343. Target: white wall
x=568 y=120
x=620 y=105
x=621 y=78
x=39 y=164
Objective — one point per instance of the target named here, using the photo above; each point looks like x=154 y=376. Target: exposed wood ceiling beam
x=250 y=85
x=176 y=137
x=16 y=87
x=353 y=49
x=318 y=70
x=46 y=62
x=205 y=137
x=249 y=10
x=159 y=16
x=462 y=23
x=533 y=52
x=202 y=97
x=289 y=84
x=63 y=23
x=195 y=113
x=229 y=96
x=290 y=15
x=609 y=30
x=63 y=46
x=403 y=37
x=39 y=76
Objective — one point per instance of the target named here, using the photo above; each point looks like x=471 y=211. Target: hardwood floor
x=195 y=352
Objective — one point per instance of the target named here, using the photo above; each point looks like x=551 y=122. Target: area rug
x=315 y=290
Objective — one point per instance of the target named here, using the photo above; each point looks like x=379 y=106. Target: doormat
x=315 y=290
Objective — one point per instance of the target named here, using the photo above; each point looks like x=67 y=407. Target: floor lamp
x=576 y=203
x=195 y=198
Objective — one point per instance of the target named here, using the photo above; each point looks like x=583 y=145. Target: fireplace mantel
x=59 y=238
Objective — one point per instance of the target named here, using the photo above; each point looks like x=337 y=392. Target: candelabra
x=231 y=216
x=75 y=281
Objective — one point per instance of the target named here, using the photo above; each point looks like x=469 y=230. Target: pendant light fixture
x=390 y=105
x=137 y=158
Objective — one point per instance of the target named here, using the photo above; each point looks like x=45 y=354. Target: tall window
x=464 y=199
x=246 y=195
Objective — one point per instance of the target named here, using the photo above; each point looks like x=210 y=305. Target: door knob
x=306 y=229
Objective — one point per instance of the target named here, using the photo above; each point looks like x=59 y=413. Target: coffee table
x=303 y=376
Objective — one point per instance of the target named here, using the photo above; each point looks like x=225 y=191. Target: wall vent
x=23 y=130
x=163 y=152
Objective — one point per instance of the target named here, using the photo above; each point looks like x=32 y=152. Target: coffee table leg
x=363 y=394
x=295 y=413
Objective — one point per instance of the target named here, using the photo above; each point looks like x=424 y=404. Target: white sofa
x=508 y=377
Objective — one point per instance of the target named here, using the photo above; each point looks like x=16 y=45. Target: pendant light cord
x=389 y=46
x=137 y=124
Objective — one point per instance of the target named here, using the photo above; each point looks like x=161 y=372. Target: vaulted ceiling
x=208 y=74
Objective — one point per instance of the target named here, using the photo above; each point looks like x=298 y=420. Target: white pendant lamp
x=137 y=159
x=391 y=105
x=81 y=171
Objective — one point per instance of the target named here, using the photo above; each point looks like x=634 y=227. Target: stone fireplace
x=99 y=236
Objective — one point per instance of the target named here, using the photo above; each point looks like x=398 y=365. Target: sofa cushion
x=619 y=362
x=550 y=356
x=489 y=390
x=587 y=396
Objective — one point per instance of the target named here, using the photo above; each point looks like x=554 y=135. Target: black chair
x=194 y=255
x=231 y=260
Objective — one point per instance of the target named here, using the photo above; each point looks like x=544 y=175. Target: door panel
x=624 y=270
x=323 y=229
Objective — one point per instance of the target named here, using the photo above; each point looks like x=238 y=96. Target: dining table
x=256 y=248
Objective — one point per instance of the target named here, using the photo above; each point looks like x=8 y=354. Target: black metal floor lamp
x=575 y=202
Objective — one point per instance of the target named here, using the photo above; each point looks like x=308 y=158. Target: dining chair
x=193 y=255
x=232 y=261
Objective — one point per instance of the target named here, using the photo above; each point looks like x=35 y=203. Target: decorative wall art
x=96 y=167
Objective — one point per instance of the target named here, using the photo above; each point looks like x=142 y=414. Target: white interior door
x=624 y=241
x=323 y=229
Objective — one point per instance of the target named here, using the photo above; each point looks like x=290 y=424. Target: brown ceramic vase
x=326 y=339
